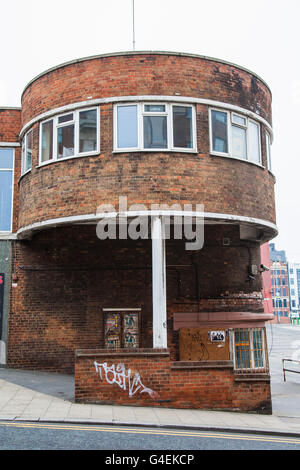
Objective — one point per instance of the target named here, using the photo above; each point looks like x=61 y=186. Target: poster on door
x=131 y=330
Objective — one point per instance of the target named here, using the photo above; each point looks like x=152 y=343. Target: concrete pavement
x=48 y=397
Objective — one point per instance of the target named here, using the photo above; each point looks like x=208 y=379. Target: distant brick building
x=294 y=288
x=280 y=292
x=142 y=319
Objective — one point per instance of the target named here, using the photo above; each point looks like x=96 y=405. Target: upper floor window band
x=155 y=126
x=234 y=135
x=6 y=188
x=70 y=135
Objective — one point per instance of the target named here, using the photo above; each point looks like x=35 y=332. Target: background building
x=162 y=130
x=294 y=284
x=277 y=255
x=280 y=292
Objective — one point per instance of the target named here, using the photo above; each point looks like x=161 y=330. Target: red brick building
x=280 y=292
x=139 y=145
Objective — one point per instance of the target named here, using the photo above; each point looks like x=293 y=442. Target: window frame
x=76 y=123
x=140 y=126
x=4 y=232
x=24 y=152
x=230 y=125
x=251 y=350
x=268 y=150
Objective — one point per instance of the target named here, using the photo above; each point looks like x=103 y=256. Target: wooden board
x=195 y=344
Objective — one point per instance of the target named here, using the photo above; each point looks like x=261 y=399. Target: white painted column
x=159 y=297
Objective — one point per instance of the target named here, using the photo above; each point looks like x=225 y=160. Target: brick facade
x=149 y=378
x=66 y=276
x=58 y=304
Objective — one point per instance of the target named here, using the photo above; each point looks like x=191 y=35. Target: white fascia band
x=27 y=230
x=133 y=98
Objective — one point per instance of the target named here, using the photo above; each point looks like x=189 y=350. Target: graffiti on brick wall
x=126 y=380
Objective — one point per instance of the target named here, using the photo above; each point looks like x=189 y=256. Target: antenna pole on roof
x=133 y=31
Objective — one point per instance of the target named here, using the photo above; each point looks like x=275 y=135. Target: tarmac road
x=284 y=343
x=40 y=397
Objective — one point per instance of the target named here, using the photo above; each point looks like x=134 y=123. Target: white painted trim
x=137 y=98
x=230 y=125
x=75 y=122
x=159 y=294
x=10 y=144
x=24 y=153
x=94 y=218
x=8 y=236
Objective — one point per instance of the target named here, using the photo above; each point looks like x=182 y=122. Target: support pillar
x=159 y=297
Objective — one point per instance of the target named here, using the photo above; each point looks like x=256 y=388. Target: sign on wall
x=1 y=301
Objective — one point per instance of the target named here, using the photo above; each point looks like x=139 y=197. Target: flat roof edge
x=128 y=53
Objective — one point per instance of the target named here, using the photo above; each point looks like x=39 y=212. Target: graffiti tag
x=124 y=379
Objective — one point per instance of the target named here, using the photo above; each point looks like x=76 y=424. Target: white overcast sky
x=261 y=35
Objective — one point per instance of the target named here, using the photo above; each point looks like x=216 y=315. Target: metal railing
x=289 y=370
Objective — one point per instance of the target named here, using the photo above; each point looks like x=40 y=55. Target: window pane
x=219 y=131
x=28 y=152
x=258 y=348
x=155 y=108
x=238 y=119
x=47 y=141
x=6 y=179
x=65 y=141
x=155 y=132
x=127 y=127
x=6 y=158
x=242 y=349
x=88 y=131
x=254 y=150
x=268 y=146
x=65 y=118
x=239 y=142
x=182 y=126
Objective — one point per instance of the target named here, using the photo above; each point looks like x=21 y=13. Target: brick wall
x=149 y=378
x=79 y=186
x=67 y=276
x=145 y=74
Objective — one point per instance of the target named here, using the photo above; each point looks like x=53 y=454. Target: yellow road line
x=159 y=432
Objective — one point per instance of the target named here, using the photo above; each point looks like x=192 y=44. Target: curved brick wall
x=145 y=74
x=79 y=186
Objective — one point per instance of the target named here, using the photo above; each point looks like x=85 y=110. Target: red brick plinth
x=147 y=377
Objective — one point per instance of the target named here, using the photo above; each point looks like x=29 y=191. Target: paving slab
x=48 y=397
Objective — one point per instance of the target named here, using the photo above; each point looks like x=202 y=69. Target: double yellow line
x=155 y=432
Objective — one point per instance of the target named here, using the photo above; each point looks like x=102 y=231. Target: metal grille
x=249 y=350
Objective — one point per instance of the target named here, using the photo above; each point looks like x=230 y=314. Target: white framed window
x=69 y=135
x=268 y=148
x=27 y=152
x=156 y=126
x=249 y=349
x=6 y=188
x=234 y=135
